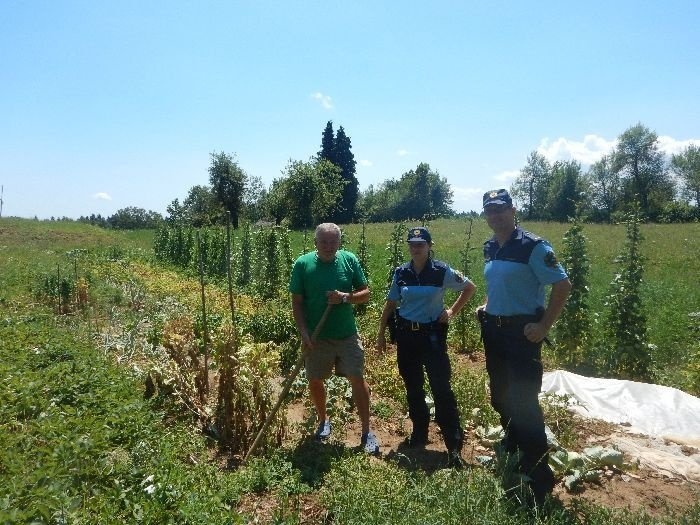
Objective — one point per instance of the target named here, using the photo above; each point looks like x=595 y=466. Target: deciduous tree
x=687 y=166
x=641 y=165
x=228 y=182
x=531 y=187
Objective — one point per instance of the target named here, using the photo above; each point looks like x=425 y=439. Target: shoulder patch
x=550 y=259
x=459 y=276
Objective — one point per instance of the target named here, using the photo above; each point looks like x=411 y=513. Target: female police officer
x=421 y=337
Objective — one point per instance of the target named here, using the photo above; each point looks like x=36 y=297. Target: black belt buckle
x=415 y=326
x=500 y=322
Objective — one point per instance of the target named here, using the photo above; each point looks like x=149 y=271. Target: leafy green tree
x=686 y=165
x=641 y=165
x=254 y=195
x=201 y=207
x=605 y=189
x=133 y=218
x=565 y=191
x=531 y=187
x=309 y=194
x=419 y=194
x=424 y=194
x=228 y=182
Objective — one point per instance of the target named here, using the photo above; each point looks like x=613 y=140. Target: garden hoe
x=287 y=385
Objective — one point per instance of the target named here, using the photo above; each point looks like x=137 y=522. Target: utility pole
x=2 y=191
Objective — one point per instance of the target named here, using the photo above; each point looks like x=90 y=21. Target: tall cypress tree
x=327 y=143
x=345 y=160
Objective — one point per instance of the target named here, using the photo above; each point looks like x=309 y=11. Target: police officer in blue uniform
x=514 y=323
x=421 y=337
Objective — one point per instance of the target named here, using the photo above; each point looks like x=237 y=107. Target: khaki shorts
x=347 y=355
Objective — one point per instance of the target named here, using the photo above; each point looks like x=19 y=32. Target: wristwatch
x=345 y=298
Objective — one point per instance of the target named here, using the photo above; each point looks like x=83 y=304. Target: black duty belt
x=414 y=326
x=503 y=321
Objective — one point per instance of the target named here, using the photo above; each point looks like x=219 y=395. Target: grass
x=80 y=444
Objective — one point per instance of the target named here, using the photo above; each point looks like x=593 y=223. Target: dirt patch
x=267 y=509
x=637 y=489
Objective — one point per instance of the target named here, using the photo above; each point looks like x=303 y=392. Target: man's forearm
x=557 y=300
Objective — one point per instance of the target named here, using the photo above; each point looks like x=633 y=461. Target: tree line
x=635 y=171
x=325 y=188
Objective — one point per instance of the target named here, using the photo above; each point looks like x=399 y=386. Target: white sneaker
x=324 y=431
x=370 y=443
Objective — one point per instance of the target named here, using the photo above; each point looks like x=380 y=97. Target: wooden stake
x=287 y=385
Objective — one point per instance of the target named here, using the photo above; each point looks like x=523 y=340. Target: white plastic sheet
x=653 y=410
x=660 y=412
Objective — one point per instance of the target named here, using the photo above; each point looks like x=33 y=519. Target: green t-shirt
x=312 y=278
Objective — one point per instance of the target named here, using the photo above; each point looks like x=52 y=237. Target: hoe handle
x=287 y=385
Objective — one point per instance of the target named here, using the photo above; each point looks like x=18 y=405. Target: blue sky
x=105 y=105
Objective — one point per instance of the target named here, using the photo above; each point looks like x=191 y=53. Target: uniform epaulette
x=440 y=264
x=532 y=236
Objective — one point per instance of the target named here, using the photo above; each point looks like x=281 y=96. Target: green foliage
x=394 y=247
x=686 y=165
x=470 y=389
x=466 y=324
x=418 y=194
x=133 y=218
x=605 y=189
x=97 y=451
x=244 y=257
x=308 y=194
x=626 y=324
x=267 y=276
x=228 y=182
x=573 y=327
x=565 y=190
x=642 y=167
x=363 y=254
x=79 y=444
x=532 y=186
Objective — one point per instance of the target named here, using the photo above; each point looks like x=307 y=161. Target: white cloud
x=102 y=196
x=466 y=198
x=507 y=176
x=587 y=151
x=402 y=152
x=671 y=146
x=325 y=100
x=365 y=162
x=593 y=147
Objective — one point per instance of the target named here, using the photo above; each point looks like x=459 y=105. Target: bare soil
x=638 y=489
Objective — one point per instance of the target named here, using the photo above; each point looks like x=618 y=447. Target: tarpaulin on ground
x=654 y=410
x=660 y=412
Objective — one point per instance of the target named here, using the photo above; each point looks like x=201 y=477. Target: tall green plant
x=244 y=256
x=395 y=257
x=465 y=320
x=626 y=325
x=363 y=252
x=285 y=253
x=267 y=279
x=573 y=328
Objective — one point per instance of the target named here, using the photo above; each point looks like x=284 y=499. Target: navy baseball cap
x=419 y=234
x=495 y=197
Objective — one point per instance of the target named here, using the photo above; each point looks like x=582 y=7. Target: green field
x=80 y=444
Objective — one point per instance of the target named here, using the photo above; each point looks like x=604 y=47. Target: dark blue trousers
x=427 y=350
x=515 y=373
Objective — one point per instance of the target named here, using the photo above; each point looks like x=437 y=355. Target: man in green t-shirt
x=332 y=276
